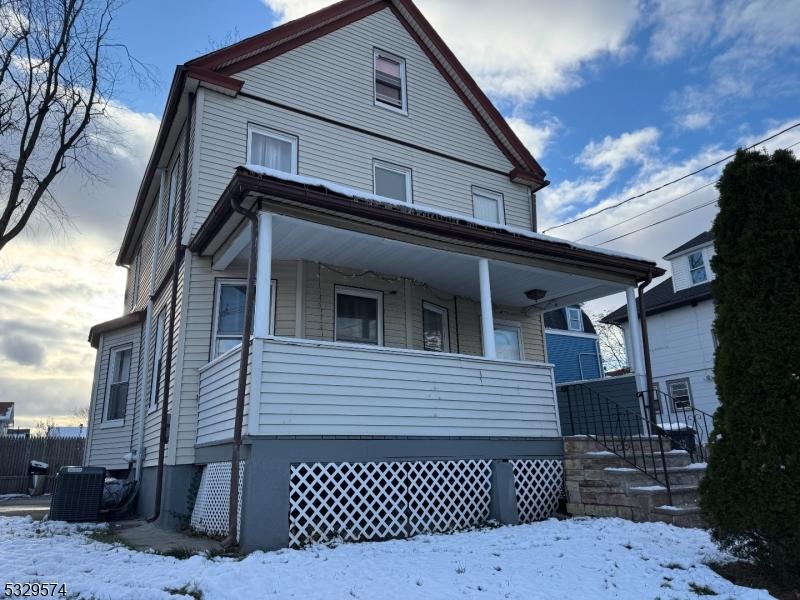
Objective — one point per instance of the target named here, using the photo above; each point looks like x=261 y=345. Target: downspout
x=249 y=308
x=648 y=371
x=180 y=249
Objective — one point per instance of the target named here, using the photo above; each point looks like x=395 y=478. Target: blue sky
x=613 y=98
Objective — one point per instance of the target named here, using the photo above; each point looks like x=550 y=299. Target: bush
x=751 y=492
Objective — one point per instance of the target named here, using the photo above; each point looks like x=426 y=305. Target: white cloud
x=696 y=120
x=613 y=153
x=535 y=137
x=521 y=49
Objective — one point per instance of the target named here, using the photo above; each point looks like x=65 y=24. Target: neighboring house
x=66 y=431
x=680 y=318
x=398 y=345
x=6 y=417
x=572 y=345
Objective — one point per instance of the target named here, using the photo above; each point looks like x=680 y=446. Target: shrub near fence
x=16 y=454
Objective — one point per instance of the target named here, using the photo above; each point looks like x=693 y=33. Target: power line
x=675 y=216
x=662 y=186
x=644 y=212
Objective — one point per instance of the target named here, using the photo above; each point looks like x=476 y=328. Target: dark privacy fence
x=584 y=411
x=16 y=454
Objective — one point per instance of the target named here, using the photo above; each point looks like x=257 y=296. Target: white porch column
x=487 y=319
x=263 y=276
x=635 y=352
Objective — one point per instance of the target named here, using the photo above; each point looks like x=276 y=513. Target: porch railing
x=626 y=433
x=688 y=427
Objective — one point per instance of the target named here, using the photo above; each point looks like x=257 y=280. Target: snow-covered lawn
x=579 y=558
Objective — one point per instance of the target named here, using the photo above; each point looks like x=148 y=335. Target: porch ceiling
x=295 y=239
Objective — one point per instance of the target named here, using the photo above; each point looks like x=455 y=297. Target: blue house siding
x=574 y=357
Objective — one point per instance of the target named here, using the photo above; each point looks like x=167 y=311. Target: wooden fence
x=16 y=454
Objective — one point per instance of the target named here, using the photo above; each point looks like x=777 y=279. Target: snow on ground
x=578 y=558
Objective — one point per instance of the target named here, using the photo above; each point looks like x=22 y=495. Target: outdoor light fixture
x=535 y=294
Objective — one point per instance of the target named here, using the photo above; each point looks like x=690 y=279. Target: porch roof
x=321 y=221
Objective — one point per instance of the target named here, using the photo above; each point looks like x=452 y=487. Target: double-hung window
x=119 y=372
x=172 y=200
x=158 y=358
x=574 y=318
x=229 y=314
x=390 y=81
x=359 y=316
x=697 y=267
x=392 y=181
x=271 y=149
x=435 y=334
x=508 y=341
x=680 y=393
x=488 y=205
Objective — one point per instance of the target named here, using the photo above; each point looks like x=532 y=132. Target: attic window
x=574 y=319
x=697 y=268
x=390 y=81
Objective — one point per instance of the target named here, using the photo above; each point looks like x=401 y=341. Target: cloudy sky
x=612 y=97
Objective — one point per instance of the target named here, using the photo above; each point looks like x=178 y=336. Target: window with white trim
x=390 y=81
x=271 y=149
x=136 y=268
x=158 y=358
x=488 y=205
x=697 y=267
x=392 y=181
x=681 y=394
x=358 y=316
x=119 y=372
x=229 y=303
x=172 y=200
x=435 y=328
x=574 y=318
x=508 y=341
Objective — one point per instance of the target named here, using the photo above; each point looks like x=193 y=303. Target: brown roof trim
x=214 y=78
x=276 y=41
x=96 y=331
x=244 y=182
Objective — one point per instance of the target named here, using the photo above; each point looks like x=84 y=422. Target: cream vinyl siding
x=107 y=445
x=324 y=389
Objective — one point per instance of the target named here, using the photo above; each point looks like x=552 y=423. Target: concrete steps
x=602 y=483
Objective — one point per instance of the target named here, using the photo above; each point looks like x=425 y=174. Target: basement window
x=229 y=301
x=390 y=81
x=271 y=149
x=392 y=181
x=117 y=392
x=359 y=316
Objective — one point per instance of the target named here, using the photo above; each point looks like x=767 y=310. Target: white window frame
x=404 y=171
x=682 y=380
x=218 y=285
x=278 y=135
x=704 y=266
x=502 y=324
x=492 y=195
x=158 y=354
x=109 y=382
x=430 y=306
x=362 y=293
x=136 y=267
x=172 y=198
x=570 y=309
x=403 y=108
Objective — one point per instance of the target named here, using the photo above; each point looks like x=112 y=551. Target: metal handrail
x=688 y=427
x=619 y=430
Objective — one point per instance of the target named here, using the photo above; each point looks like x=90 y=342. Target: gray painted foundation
x=175 y=510
x=265 y=495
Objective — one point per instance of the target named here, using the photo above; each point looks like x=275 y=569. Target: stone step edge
x=687 y=509
x=652 y=490
x=623 y=471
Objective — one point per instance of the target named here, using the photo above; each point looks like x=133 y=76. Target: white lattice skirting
x=538 y=485
x=210 y=513
x=378 y=500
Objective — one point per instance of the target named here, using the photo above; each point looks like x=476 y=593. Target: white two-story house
x=395 y=371
x=680 y=320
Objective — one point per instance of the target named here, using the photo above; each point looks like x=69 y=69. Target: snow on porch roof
x=429 y=210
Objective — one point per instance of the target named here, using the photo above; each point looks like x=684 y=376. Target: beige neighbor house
x=397 y=369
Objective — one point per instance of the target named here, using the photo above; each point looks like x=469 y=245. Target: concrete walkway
x=141 y=535
x=22 y=506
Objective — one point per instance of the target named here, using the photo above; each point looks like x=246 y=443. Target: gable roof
x=557 y=319
x=133 y=318
x=698 y=240
x=218 y=69
x=662 y=298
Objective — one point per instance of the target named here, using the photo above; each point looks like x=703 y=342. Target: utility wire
x=664 y=220
x=662 y=186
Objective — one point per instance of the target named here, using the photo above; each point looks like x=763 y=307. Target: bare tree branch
x=611 y=340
